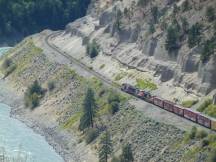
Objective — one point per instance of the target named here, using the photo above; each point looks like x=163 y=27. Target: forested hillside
x=25 y=17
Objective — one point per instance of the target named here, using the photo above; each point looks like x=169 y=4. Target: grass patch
x=102 y=66
x=211 y=110
x=75 y=118
x=145 y=84
x=208 y=108
x=204 y=105
x=120 y=76
x=189 y=103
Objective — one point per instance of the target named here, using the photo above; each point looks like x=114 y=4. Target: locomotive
x=191 y=115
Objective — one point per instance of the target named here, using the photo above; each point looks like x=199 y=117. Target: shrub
x=186 y=6
x=143 y=2
x=208 y=49
x=114 y=107
x=33 y=95
x=151 y=28
x=113 y=101
x=204 y=143
x=204 y=105
x=201 y=134
x=8 y=66
x=210 y=14
x=91 y=135
x=212 y=138
x=7 y=63
x=113 y=97
x=189 y=103
x=194 y=35
x=211 y=110
x=193 y=132
x=146 y=84
x=155 y=14
x=51 y=85
x=212 y=156
x=92 y=49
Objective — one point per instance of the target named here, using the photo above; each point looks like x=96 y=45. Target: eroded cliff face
x=131 y=33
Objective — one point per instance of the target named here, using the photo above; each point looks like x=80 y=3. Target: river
x=17 y=140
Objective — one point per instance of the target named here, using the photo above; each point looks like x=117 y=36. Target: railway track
x=77 y=62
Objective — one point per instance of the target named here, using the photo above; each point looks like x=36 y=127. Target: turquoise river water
x=16 y=139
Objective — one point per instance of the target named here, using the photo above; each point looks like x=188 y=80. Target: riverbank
x=57 y=140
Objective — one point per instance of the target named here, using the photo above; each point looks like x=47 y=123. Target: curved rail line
x=77 y=62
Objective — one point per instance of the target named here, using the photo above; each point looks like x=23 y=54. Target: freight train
x=189 y=114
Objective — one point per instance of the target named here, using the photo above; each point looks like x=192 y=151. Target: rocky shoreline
x=9 y=97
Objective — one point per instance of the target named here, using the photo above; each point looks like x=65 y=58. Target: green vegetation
x=194 y=35
x=143 y=2
x=89 y=105
x=208 y=49
x=113 y=101
x=92 y=49
x=120 y=76
x=145 y=84
x=186 y=6
x=102 y=66
x=118 y=23
x=172 y=40
x=51 y=85
x=33 y=95
x=72 y=120
x=8 y=67
x=189 y=103
x=30 y=16
x=155 y=14
x=105 y=149
x=208 y=108
x=202 y=142
x=91 y=135
x=127 y=154
x=204 y=105
x=151 y=28
x=210 y=14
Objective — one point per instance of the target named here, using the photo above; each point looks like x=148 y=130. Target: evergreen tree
x=195 y=35
x=89 y=105
x=105 y=147
x=127 y=155
x=172 y=38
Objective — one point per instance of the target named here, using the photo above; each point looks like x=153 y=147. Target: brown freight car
x=189 y=114
x=168 y=105
x=158 y=102
x=204 y=121
x=178 y=110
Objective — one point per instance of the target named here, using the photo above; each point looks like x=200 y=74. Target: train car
x=168 y=105
x=178 y=110
x=191 y=115
x=158 y=102
x=129 y=89
x=203 y=120
x=213 y=124
x=145 y=95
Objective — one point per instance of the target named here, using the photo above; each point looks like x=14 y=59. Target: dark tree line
x=29 y=16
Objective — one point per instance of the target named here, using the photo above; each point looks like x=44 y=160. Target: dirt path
x=150 y=110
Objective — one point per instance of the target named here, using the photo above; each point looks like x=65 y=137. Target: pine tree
x=127 y=155
x=105 y=147
x=89 y=105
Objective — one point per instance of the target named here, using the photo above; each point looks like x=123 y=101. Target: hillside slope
x=168 y=39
